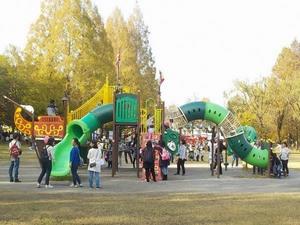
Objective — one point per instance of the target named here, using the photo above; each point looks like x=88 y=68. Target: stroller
x=277 y=167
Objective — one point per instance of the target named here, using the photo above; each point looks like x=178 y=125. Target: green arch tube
x=238 y=143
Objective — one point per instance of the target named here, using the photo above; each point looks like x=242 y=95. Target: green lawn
x=264 y=209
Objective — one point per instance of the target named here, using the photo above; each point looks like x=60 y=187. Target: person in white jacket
x=94 y=168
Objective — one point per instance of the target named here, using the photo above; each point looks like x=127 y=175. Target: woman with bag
x=94 y=168
x=46 y=158
x=75 y=162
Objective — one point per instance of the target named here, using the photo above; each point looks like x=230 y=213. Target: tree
x=139 y=38
x=68 y=48
x=118 y=34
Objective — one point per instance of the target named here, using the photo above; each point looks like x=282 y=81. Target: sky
x=201 y=47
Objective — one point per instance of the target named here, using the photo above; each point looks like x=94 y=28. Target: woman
x=74 y=163
x=182 y=156
x=94 y=168
x=164 y=161
x=46 y=157
x=284 y=157
x=148 y=161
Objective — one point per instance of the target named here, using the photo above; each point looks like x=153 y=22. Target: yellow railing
x=157 y=120
x=103 y=96
x=143 y=115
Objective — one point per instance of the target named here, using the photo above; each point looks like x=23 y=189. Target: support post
x=137 y=135
x=115 y=144
x=226 y=158
x=212 y=150
x=218 y=153
x=65 y=101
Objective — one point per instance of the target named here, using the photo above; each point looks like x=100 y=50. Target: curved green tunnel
x=237 y=142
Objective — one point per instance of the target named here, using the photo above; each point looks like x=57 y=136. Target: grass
x=30 y=207
x=246 y=209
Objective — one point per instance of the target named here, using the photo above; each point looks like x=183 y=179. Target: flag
x=161 y=78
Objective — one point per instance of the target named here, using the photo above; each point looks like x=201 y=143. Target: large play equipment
x=229 y=126
x=45 y=126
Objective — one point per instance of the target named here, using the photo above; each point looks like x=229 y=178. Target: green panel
x=215 y=113
x=240 y=145
x=249 y=132
x=258 y=157
x=82 y=130
x=126 y=108
x=193 y=110
x=171 y=140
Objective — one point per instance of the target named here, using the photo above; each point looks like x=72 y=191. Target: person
x=46 y=159
x=182 y=156
x=235 y=159
x=52 y=109
x=197 y=153
x=94 y=168
x=164 y=161
x=74 y=163
x=150 y=126
x=148 y=161
x=222 y=147
x=284 y=157
x=14 y=152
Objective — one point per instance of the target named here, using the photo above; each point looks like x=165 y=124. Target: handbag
x=93 y=164
x=102 y=162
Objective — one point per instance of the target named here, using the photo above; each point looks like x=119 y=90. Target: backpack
x=14 y=150
x=148 y=155
x=44 y=154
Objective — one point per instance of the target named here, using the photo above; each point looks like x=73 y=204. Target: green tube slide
x=81 y=129
x=237 y=142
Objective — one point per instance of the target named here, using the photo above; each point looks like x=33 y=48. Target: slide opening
x=76 y=131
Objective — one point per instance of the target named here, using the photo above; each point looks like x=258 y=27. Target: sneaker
x=80 y=185
x=17 y=181
x=72 y=185
x=38 y=185
x=11 y=180
x=48 y=186
x=75 y=186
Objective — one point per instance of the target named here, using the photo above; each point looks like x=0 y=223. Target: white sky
x=200 y=46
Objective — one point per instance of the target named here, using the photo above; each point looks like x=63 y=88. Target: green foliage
x=70 y=50
x=272 y=104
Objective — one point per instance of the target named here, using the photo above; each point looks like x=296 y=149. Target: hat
x=46 y=139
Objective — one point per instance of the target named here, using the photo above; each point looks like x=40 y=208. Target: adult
x=182 y=156
x=94 y=168
x=148 y=161
x=74 y=163
x=46 y=159
x=14 y=152
x=220 y=155
x=284 y=157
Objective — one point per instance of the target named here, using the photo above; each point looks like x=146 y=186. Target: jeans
x=46 y=169
x=93 y=174
x=75 y=176
x=285 y=166
x=164 y=170
x=14 y=167
x=180 y=163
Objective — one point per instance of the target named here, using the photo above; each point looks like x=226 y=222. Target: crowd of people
x=98 y=153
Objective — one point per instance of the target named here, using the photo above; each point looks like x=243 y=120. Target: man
x=15 y=152
x=182 y=156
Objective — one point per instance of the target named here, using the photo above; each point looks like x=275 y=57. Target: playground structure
x=124 y=110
